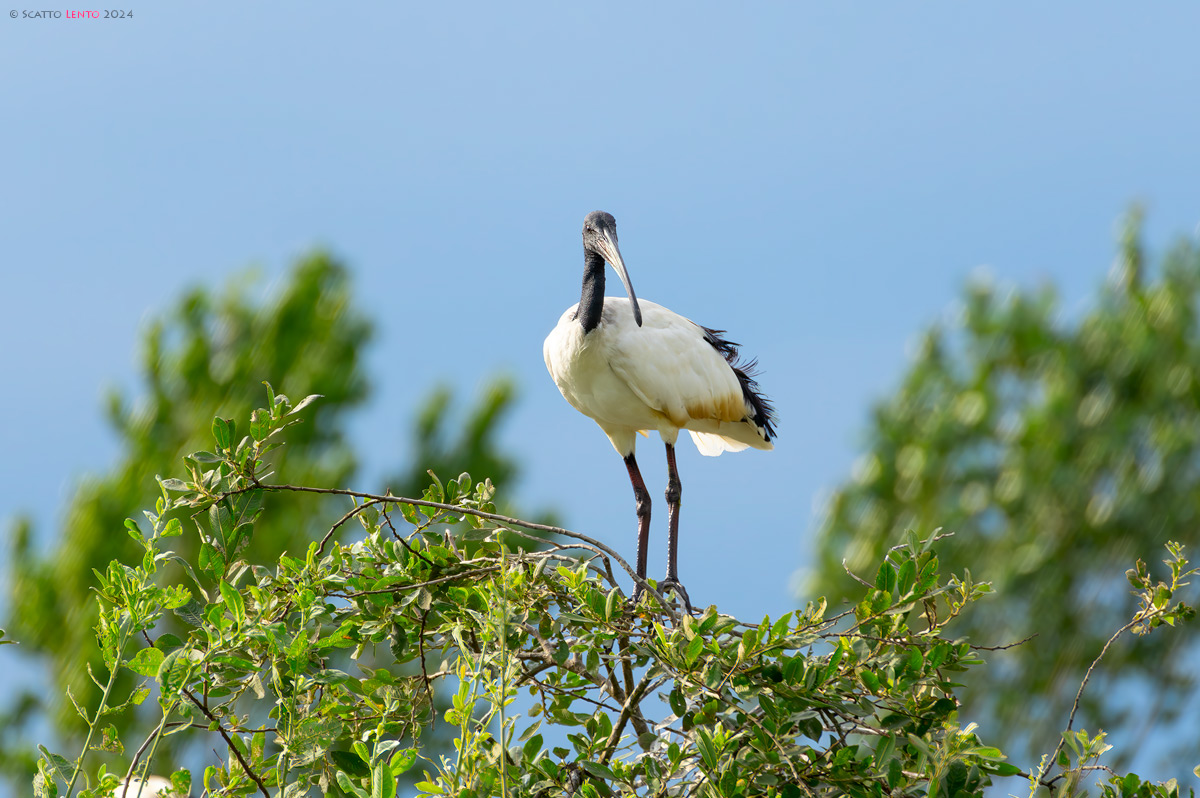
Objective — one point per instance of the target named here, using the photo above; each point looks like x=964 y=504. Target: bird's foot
x=664 y=587
x=673 y=585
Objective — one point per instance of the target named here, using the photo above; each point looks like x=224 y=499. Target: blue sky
x=818 y=180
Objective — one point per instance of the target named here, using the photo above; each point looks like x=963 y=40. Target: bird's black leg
x=642 y=496
x=674 y=493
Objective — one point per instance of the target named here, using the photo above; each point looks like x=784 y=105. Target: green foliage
x=207 y=354
x=1057 y=450
x=316 y=675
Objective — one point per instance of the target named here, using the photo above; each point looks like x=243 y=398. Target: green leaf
x=906 y=578
x=915 y=661
x=383 y=783
x=305 y=402
x=477 y=534
x=260 y=424
x=921 y=746
x=835 y=659
x=60 y=764
x=245 y=508
x=172 y=669
x=181 y=782
x=349 y=787
x=610 y=603
x=598 y=770
x=708 y=753
x=134 y=531
x=884 y=751
x=146 y=662
x=895 y=774
x=693 y=649
x=167 y=641
x=238 y=539
x=780 y=627
x=956 y=776
x=677 y=702
x=398 y=642
x=344 y=637
x=403 y=760
x=429 y=787
x=233 y=661
x=222 y=431
x=233 y=601
x=531 y=748
x=988 y=752
x=192 y=613
x=885 y=577
x=810 y=727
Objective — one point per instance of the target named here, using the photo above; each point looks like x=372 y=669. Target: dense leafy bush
x=317 y=675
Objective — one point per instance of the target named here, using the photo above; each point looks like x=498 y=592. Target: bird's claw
x=672 y=585
x=664 y=587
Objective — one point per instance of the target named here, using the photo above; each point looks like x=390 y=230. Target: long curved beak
x=608 y=248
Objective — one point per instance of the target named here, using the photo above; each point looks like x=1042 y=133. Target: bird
x=635 y=367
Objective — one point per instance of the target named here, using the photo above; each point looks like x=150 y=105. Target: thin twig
x=631 y=704
x=389 y=498
x=454 y=508
x=358 y=508
x=398 y=587
x=425 y=671
x=1005 y=647
x=576 y=693
x=1139 y=618
x=137 y=755
x=229 y=743
x=855 y=576
x=399 y=537
x=934 y=539
x=1051 y=781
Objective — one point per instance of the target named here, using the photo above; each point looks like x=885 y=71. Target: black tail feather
x=764 y=412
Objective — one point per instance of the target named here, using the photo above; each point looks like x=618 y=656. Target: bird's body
x=665 y=375
x=636 y=366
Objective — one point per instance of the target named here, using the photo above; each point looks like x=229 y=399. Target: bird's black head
x=600 y=241
x=597 y=226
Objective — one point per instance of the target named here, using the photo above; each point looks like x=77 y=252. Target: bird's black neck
x=591 y=301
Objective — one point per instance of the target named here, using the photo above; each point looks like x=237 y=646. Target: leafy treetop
x=316 y=674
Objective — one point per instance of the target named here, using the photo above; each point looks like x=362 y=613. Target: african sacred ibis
x=635 y=366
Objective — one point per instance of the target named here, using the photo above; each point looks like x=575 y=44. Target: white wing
x=670 y=365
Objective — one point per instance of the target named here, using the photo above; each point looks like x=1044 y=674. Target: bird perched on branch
x=635 y=366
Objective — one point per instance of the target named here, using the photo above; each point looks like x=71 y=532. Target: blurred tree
x=473 y=451
x=211 y=351
x=1056 y=451
x=449 y=445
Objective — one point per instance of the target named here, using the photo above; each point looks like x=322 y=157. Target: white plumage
x=663 y=376
x=635 y=367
